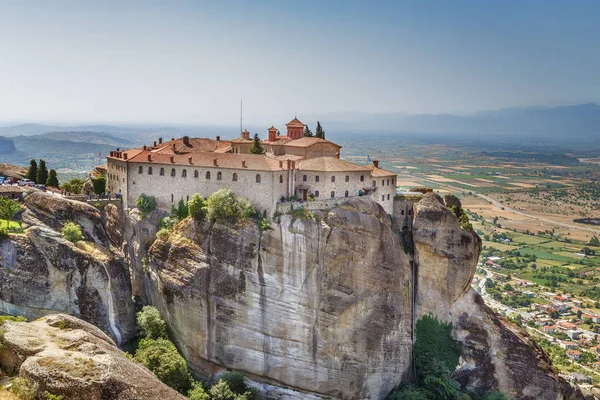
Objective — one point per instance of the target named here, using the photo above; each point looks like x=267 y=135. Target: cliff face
x=496 y=355
x=42 y=273
x=71 y=358
x=322 y=306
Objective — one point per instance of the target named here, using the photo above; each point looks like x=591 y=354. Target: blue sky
x=190 y=62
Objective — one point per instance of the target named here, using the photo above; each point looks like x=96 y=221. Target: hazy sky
x=192 y=61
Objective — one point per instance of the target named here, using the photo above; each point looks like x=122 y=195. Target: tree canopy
x=8 y=209
x=320 y=133
x=32 y=171
x=42 y=173
x=307 y=131
x=52 y=179
x=257 y=147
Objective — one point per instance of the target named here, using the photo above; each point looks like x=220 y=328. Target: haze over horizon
x=187 y=62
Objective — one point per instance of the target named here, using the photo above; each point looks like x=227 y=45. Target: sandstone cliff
x=42 y=273
x=69 y=357
x=319 y=305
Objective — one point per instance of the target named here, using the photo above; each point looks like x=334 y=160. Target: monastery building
x=292 y=165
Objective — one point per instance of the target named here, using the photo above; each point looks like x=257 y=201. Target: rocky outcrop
x=320 y=305
x=68 y=357
x=497 y=355
x=42 y=273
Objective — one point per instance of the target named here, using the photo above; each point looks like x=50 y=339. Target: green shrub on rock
x=146 y=204
x=162 y=358
x=151 y=323
x=72 y=232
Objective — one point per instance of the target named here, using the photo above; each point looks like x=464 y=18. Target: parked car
x=41 y=187
x=25 y=182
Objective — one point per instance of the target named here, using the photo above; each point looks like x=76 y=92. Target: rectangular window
x=304 y=178
x=382 y=197
x=388 y=196
x=317 y=178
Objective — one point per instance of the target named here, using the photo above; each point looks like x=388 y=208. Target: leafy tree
x=307 y=131
x=196 y=207
x=594 y=241
x=182 y=210
x=52 y=179
x=237 y=383
x=42 y=173
x=146 y=204
x=223 y=205
x=32 y=171
x=257 y=147
x=99 y=185
x=197 y=392
x=222 y=391
x=72 y=232
x=162 y=358
x=151 y=323
x=320 y=133
x=75 y=186
x=8 y=209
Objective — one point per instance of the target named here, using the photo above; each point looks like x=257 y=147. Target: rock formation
x=66 y=356
x=42 y=273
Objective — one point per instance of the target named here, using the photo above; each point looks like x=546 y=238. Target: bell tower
x=295 y=129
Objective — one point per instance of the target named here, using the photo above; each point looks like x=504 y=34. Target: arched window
x=304 y=178
x=257 y=178
x=184 y=173
x=207 y=175
x=171 y=197
x=316 y=193
x=173 y=172
x=362 y=178
x=383 y=182
x=388 y=182
x=346 y=194
x=347 y=178
x=333 y=179
x=402 y=212
x=162 y=172
x=149 y=170
x=140 y=170
x=234 y=177
x=388 y=196
x=195 y=173
x=280 y=178
x=374 y=183
x=219 y=176
x=332 y=194
x=317 y=178
x=382 y=197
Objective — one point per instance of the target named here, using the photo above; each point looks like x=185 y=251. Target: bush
x=162 y=358
x=222 y=391
x=264 y=224
x=72 y=232
x=146 y=204
x=151 y=323
x=74 y=186
x=163 y=234
x=197 y=207
x=99 y=185
x=197 y=392
x=24 y=389
x=50 y=396
x=223 y=205
x=237 y=383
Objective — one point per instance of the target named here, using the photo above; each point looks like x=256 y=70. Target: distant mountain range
x=577 y=122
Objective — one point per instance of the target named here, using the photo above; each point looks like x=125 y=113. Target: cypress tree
x=42 y=173
x=307 y=132
x=256 y=146
x=52 y=179
x=320 y=133
x=32 y=171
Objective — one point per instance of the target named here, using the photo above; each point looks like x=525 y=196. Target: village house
x=549 y=329
x=568 y=345
x=292 y=166
x=567 y=325
x=573 y=334
x=574 y=354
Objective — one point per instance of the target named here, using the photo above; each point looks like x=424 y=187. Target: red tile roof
x=295 y=123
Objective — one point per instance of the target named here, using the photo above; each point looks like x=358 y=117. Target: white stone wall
x=168 y=190
x=116 y=178
x=325 y=186
x=384 y=193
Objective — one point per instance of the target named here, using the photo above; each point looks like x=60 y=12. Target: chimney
x=186 y=140
x=118 y=149
x=149 y=157
x=172 y=139
x=125 y=156
x=172 y=159
x=215 y=162
x=218 y=138
x=112 y=153
x=155 y=143
x=272 y=134
x=190 y=159
x=376 y=163
x=243 y=163
x=144 y=147
x=159 y=140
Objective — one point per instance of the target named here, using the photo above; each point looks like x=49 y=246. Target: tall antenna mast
x=241 y=114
